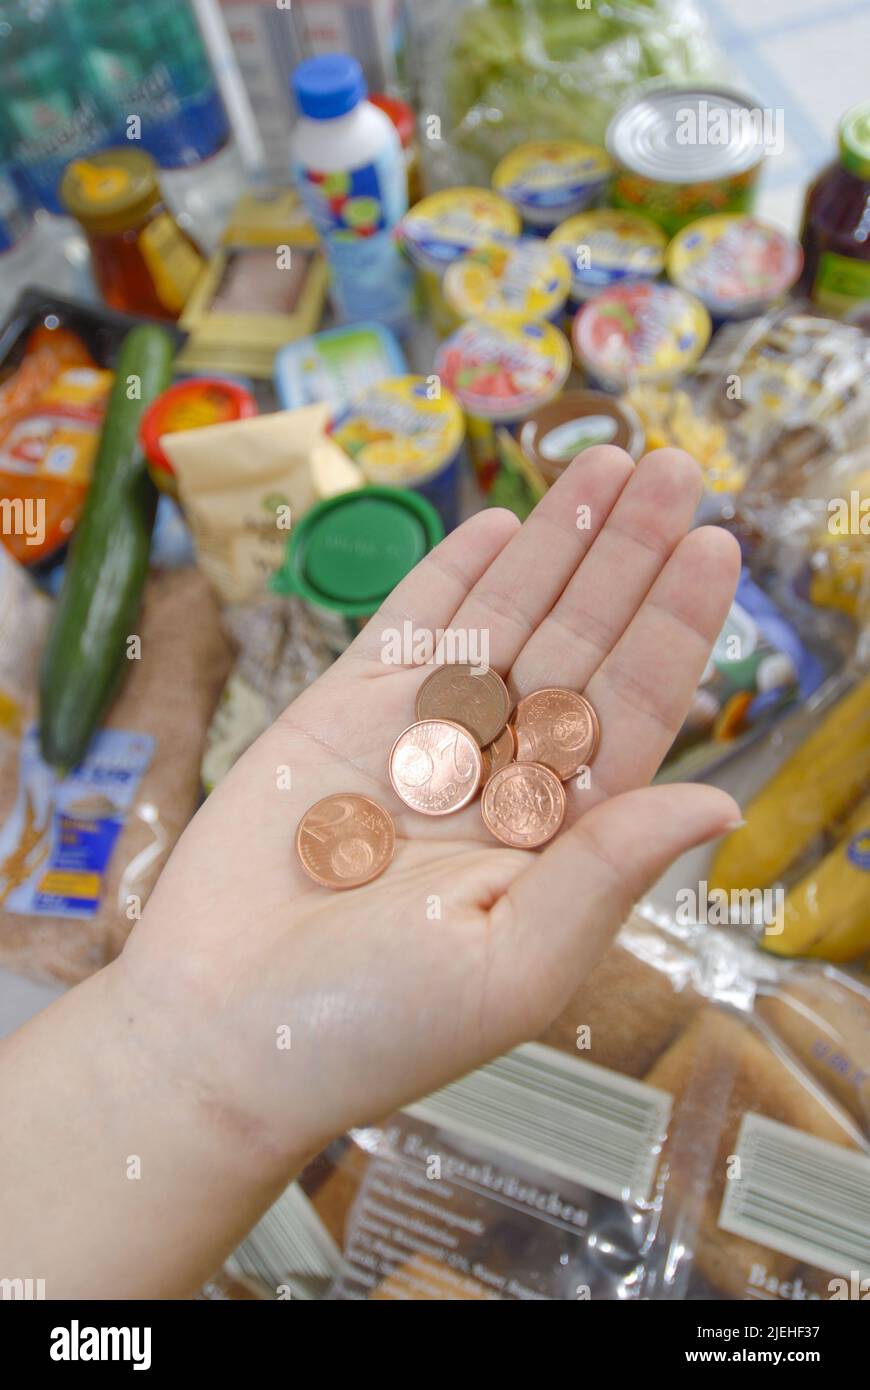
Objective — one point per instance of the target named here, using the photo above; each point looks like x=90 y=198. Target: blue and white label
x=355 y=211
x=57 y=843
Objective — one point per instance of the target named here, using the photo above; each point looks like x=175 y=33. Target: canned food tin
x=683 y=153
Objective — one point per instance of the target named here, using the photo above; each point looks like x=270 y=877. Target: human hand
x=384 y=1000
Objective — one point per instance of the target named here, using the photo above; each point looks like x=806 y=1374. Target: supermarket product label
x=536 y=1152
x=56 y=845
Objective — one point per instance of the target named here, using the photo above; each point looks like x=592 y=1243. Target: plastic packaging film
x=636 y=1151
x=156 y=729
x=499 y=74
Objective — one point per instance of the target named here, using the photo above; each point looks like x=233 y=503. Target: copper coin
x=558 y=728
x=523 y=805
x=499 y=753
x=474 y=696
x=345 y=840
x=435 y=766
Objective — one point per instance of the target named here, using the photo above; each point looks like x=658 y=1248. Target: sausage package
x=695 y=1125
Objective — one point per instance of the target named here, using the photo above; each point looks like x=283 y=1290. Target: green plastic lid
x=350 y=551
x=855 y=140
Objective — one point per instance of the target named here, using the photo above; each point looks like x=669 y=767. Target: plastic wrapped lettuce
x=498 y=72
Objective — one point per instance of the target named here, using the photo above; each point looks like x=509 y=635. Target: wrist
x=175 y=1050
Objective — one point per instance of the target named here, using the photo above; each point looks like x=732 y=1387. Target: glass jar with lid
x=143 y=262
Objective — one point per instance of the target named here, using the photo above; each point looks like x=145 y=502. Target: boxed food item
x=264 y=286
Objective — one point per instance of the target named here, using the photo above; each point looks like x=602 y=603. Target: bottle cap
x=855 y=140
x=328 y=86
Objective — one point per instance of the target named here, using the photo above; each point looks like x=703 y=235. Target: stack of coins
x=465 y=740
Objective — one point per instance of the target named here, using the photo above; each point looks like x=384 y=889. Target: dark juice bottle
x=836 y=227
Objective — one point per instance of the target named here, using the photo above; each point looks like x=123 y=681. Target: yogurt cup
x=407 y=431
x=549 y=180
x=737 y=266
x=574 y=421
x=607 y=247
x=442 y=227
x=640 y=332
x=500 y=372
x=510 y=279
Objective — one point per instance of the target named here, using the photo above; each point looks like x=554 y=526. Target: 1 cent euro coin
x=474 y=696
x=345 y=840
x=558 y=728
x=523 y=805
x=435 y=766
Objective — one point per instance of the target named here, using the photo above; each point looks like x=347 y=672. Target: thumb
x=564 y=910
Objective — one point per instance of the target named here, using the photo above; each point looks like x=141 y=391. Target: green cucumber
x=86 y=651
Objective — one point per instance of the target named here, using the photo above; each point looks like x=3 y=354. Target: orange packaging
x=51 y=414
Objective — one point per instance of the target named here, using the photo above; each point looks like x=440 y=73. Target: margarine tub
x=606 y=247
x=645 y=333
x=549 y=180
x=407 y=431
x=441 y=228
x=510 y=279
x=501 y=372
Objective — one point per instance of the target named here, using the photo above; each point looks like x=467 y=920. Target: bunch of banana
x=827 y=911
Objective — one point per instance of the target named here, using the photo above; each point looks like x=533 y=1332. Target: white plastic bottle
x=347 y=160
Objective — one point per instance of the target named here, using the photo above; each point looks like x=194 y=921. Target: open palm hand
x=463 y=947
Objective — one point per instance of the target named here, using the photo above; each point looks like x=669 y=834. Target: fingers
x=429 y=596
x=643 y=689
x=559 y=916
x=650 y=517
x=515 y=594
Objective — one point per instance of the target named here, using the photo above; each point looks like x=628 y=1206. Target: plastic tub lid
x=348 y=552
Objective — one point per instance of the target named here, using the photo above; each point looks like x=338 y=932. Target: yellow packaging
x=243 y=484
x=509 y=279
x=441 y=228
x=265 y=286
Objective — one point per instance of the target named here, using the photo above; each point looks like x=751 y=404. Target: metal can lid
x=687 y=135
